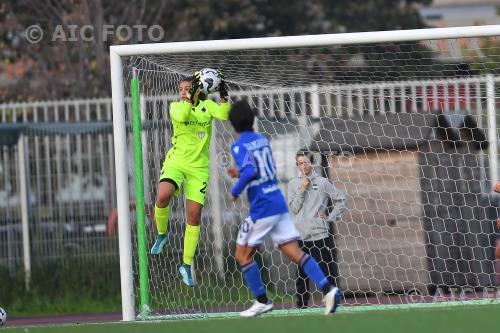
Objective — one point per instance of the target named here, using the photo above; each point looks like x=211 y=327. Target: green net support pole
x=139 y=196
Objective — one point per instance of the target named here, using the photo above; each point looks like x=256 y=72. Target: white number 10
x=267 y=171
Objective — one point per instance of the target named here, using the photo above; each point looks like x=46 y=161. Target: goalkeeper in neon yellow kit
x=188 y=162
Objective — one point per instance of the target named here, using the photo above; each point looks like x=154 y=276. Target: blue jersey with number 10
x=253 y=156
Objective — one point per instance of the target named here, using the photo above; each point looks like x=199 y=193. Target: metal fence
x=71 y=192
x=70 y=188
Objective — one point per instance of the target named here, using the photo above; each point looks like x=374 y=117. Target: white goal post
x=119 y=98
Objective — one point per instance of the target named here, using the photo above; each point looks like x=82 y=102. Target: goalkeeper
x=187 y=162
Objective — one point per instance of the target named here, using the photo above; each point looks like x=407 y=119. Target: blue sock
x=314 y=272
x=251 y=274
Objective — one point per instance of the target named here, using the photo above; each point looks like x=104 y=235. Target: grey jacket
x=306 y=205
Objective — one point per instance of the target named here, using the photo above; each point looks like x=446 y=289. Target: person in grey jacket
x=314 y=203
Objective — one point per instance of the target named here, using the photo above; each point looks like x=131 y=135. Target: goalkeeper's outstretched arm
x=222 y=111
x=219 y=111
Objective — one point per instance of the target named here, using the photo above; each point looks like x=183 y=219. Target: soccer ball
x=210 y=80
x=3 y=317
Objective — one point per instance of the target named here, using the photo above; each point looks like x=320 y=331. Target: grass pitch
x=458 y=318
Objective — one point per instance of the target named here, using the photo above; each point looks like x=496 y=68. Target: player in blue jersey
x=268 y=213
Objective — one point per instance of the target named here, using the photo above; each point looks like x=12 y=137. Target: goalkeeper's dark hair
x=187 y=79
x=241 y=116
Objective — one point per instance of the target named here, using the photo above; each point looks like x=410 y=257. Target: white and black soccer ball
x=210 y=80
x=3 y=317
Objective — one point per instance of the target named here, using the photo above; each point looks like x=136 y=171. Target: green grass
x=64 y=286
x=28 y=306
x=209 y=293
x=459 y=318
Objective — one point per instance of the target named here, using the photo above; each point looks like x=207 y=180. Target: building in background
x=454 y=13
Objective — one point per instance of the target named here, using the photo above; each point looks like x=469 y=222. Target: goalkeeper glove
x=197 y=75
x=195 y=94
x=222 y=87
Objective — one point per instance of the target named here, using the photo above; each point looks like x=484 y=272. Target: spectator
x=314 y=203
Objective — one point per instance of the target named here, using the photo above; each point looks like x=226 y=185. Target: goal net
x=405 y=129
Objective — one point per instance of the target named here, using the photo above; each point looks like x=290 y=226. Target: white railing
x=69 y=179
x=456 y=94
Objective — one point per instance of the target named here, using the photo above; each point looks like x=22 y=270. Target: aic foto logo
x=88 y=33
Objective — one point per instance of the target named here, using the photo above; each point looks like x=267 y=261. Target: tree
x=375 y=15
x=484 y=60
x=64 y=65
x=55 y=68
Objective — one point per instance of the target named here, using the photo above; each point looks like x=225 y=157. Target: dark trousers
x=323 y=251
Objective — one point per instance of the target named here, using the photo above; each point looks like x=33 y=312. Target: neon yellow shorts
x=195 y=179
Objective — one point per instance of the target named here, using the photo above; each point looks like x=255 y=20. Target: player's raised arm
x=248 y=171
x=247 y=174
x=189 y=90
x=219 y=111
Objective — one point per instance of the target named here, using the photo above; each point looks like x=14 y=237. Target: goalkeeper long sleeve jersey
x=192 y=131
x=320 y=195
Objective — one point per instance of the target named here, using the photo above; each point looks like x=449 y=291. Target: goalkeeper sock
x=251 y=274
x=314 y=272
x=161 y=219
x=191 y=238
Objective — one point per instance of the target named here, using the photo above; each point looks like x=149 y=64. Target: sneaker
x=161 y=241
x=332 y=300
x=256 y=309
x=186 y=274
